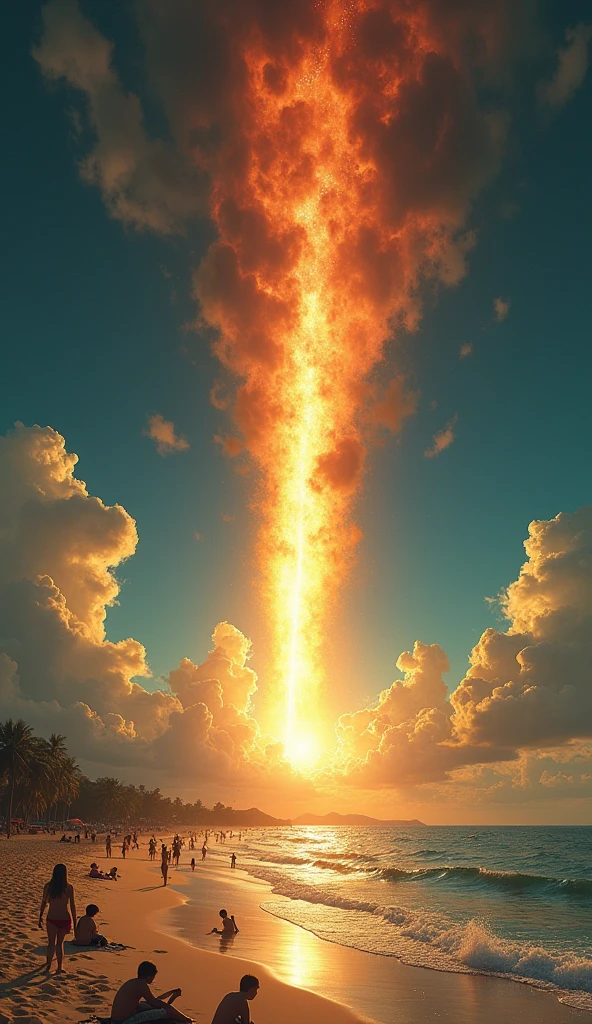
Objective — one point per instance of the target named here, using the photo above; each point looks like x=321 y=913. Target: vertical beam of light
x=341 y=184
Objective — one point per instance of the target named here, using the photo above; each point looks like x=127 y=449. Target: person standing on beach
x=233 y=860
x=108 y=846
x=234 y=1008
x=58 y=893
x=204 y=850
x=134 y=1002
x=123 y=849
x=193 y=863
x=164 y=864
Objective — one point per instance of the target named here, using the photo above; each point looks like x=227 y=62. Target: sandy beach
x=297 y=970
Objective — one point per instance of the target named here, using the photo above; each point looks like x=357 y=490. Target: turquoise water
x=510 y=901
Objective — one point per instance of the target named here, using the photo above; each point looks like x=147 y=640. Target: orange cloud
x=442 y=440
x=501 y=308
x=163 y=434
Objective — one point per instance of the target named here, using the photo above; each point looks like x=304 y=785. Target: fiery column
x=329 y=210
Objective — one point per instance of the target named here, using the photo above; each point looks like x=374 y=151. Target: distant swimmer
x=234 y=1008
x=228 y=925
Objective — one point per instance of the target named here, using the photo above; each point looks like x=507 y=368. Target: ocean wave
x=335 y=865
x=514 y=881
x=282 y=858
x=421 y=938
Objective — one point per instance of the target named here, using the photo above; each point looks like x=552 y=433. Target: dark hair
x=223 y=913
x=58 y=882
x=248 y=981
x=92 y=909
x=147 y=970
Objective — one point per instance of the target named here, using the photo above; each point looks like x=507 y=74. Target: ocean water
x=514 y=902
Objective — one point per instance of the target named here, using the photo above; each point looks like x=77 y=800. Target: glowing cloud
x=343 y=148
x=165 y=437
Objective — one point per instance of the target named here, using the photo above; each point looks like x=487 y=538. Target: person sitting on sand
x=234 y=1008
x=228 y=925
x=86 y=932
x=135 y=1003
x=58 y=893
x=94 y=871
x=112 y=874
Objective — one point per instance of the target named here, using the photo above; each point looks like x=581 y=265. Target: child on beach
x=86 y=932
x=134 y=1002
x=234 y=1008
x=193 y=863
x=228 y=925
x=58 y=893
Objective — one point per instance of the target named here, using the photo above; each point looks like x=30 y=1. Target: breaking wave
x=424 y=939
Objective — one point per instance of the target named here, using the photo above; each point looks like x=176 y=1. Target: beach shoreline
x=164 y=925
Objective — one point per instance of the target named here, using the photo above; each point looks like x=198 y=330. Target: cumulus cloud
x=571 y=70
x=164 y=436
x=501 y=308
x=527 y=689
x=519 y=725
x=442 y=440
x=59 y=550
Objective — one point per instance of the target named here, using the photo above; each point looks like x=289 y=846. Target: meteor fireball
x=334 y=192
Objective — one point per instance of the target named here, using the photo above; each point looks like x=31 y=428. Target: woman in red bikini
x=57 y=893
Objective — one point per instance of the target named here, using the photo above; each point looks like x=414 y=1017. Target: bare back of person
x=58 y=907
x=128 y=999
x=234 y=1007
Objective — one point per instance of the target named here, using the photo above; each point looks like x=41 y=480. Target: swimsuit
x=63 y=924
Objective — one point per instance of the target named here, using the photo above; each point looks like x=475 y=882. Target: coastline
x=301 y=975
x=380 y=987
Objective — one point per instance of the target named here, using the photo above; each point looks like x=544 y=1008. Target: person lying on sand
x=234 y=1008
x=228 y=925
x=86 y=932
x=134 y=1003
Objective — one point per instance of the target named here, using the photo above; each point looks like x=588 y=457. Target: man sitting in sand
x=228 y=925
x=235 y=1006
x=86 y=933
x=134 y=1003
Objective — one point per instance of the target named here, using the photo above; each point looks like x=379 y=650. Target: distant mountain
x=351 y=819
x=253 y=816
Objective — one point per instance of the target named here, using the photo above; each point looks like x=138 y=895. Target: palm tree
x=58 y=752
x=16 y=752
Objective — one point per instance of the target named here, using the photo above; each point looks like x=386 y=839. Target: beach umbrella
x=74 y=821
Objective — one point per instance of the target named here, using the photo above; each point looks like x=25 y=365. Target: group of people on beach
x=134 y=1003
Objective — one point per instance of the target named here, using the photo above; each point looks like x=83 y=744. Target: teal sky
x=95 y=341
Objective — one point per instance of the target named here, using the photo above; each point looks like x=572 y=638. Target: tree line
x=41 y=782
